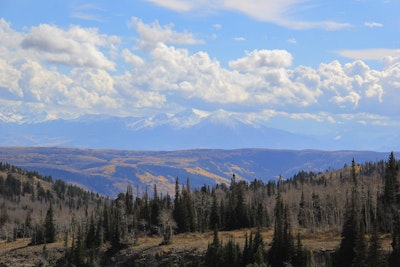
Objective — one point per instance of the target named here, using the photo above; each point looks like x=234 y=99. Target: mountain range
x=109 y=172
x=188 y=129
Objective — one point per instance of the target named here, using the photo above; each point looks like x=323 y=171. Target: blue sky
x=324 y=67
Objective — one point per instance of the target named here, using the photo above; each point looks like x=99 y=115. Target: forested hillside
x=357 y=207
x=109 y=172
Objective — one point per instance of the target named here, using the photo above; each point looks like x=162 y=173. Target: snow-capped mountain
x=187 y=129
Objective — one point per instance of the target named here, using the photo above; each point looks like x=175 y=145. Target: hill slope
x=110 y=171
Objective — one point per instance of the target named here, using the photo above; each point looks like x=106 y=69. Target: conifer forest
x=243 y=223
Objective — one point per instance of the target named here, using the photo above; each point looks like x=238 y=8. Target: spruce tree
x=301 y=216
x=231 y=254
x=258 y=248
x=282 y=249
x=360 y=249
x=215 y=218
x=49 y=227
x=376 y=257
x=213 y=257
x=300 y=258
x=391 y=190
x=394 y=258
x=350 y=249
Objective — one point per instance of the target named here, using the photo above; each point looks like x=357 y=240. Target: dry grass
x=18 y=244
x=18 y=253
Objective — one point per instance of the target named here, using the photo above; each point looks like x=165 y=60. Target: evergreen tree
x=49 y=227
x=231 y=254
x=351 y=231
x=389 y=201
x=78 y=249
x=213 y=257
x=394 y=258
x=301 y=216
x=247 y=251
x=91 y=235
x=300 y=258
x=258 y=248
x=282 y=249
x=129 y=200
x=376 y=257
x=391 y=190
x=215 y=217
x=360 y=249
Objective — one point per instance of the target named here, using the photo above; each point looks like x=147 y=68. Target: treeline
x=361 y=202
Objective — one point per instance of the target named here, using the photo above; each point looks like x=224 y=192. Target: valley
x=109 y=172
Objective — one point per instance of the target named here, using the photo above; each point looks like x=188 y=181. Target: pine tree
x=49 y=227
x=129 y=200
x=350 y=249
x=394 y=258
x=282 y=249
x=391 y=190
x=91 y=235
x=376 y=257
x=301 y=216
x=78 y=250
x=215 y=218
x=258 y=248
x=231 y=254
x=213 y=257
x=360 y=249
x=300 y=258
x=247 y=253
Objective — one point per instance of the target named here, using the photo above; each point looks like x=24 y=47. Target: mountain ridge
x=111 y=171
x=188 y=129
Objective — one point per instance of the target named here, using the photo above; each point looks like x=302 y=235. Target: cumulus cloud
x=262 y=81
x=152 y=34
x=76 y=47
x=260 y=59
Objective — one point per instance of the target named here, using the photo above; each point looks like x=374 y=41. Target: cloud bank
x=81 y=71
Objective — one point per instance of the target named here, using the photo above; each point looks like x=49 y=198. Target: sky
x=303 y=66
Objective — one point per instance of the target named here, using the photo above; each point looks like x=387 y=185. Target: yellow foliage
x=200 y=171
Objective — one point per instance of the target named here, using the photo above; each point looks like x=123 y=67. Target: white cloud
x=132 y=59
x=76 y=47
x=373 y=24
x=370 y=54
x=152 y=34
x=176 y=5
x=305 y=25
x=292 y=41
x=259 y=59
x=87 y=12
x=239 y=39
x=277 y=12
x=9 y=77
x=170 y=77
